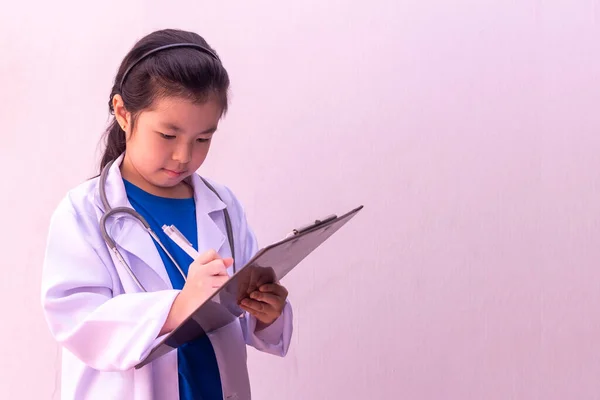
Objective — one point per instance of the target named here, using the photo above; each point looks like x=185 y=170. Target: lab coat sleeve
x=107 y=333
x=275 y=339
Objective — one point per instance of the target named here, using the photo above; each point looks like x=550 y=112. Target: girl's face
x=169 y=143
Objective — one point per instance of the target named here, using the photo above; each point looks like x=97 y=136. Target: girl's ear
x=122 y=116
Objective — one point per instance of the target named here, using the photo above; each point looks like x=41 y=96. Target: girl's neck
x=180 y=191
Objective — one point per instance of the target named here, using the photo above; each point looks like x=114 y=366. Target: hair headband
x=161 y=48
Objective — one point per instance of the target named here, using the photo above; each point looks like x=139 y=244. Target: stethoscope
x=109 y=211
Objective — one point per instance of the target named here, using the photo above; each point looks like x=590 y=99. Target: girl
x=168 y=97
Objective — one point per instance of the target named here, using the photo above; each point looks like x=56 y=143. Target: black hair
x=183 y=71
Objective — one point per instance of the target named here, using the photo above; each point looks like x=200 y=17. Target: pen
x=176 y=236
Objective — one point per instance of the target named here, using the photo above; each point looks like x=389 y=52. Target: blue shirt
x=198 y=371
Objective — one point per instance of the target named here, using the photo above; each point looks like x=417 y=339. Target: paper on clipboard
x=268 y=265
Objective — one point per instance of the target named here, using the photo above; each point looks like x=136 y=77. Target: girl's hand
x=266 y=304
x=205 y=276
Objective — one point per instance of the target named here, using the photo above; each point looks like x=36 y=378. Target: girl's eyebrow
x=174 y=128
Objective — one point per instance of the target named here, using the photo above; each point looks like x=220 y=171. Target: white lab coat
x=103 y=321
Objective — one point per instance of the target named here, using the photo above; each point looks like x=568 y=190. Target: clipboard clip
x=317 y=223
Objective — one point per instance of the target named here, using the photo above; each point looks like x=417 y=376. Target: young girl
x=168 y=97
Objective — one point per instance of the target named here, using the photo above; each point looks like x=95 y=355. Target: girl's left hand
x=266 y=304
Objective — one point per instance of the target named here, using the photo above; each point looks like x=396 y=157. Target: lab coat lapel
x=128 y=233
x=208 y=206
x=136 y=241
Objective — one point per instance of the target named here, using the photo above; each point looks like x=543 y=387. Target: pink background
x=468 y=129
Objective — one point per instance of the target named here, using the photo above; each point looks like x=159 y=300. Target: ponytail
x=115 y=143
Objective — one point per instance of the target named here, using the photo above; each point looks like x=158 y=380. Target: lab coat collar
x=133 y=238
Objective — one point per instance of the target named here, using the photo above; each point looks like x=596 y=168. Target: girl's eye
x=167 y=136
x=202 y=140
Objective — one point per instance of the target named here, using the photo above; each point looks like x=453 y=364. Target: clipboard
x=268 y=265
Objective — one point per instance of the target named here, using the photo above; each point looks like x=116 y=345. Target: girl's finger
x=254 y=305
x=274 y=288
x=253 y=312
x=269 y=298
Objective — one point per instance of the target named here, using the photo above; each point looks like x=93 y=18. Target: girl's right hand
x=205 y=275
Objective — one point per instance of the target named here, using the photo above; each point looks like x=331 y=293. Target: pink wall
x=468 y=129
